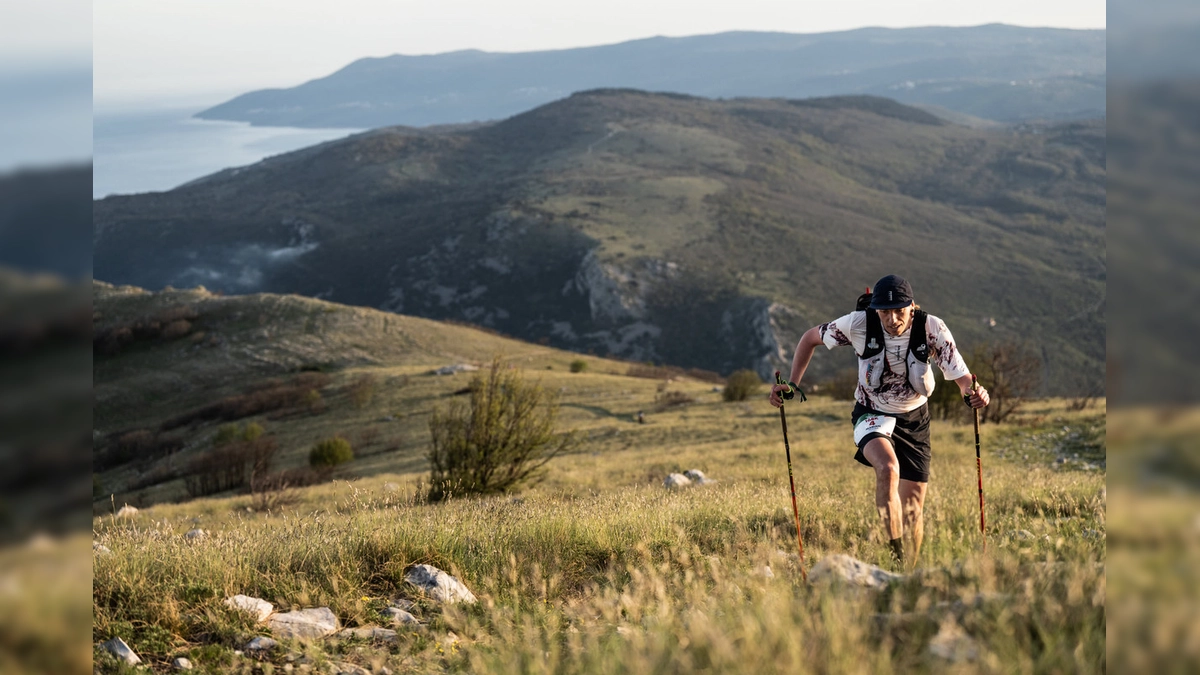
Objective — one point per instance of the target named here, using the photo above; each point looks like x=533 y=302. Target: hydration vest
x=871 y=360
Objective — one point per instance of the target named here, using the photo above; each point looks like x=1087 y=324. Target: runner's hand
x=777 y=391
x=978 y=397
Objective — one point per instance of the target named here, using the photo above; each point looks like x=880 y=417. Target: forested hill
x=691 y=231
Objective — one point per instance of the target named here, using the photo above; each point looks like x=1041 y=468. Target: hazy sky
x=202 y=51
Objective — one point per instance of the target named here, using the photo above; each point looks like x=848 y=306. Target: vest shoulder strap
x=874 y=342
x=917 y=340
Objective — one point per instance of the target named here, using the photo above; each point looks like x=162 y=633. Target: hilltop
x=659 y=227
x=997 y=72
x=172 y=367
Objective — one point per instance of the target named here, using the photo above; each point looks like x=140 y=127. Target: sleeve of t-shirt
x=945 y=352
x=846 y=331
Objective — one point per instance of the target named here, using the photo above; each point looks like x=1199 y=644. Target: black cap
x=891 y=292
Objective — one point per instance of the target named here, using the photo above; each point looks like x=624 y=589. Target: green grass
x=599 y=569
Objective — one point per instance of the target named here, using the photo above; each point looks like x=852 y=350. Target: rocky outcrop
x=304 y=624
x=258 y=608
x=121 y=651
x=844 y=569
x=439 y=585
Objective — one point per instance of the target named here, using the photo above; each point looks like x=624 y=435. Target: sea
x=137 y=151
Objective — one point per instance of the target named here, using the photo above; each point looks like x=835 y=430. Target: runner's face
x=895 y=321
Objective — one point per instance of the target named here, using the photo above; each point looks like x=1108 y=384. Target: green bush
x=741 y=384
x=252 y=432
x=330 y=452
x=226 y=434
x=578 y=366
x=498 y=440
x=230 y=433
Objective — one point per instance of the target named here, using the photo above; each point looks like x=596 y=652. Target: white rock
x=261 y=609
x=119 y=649
x=181 y=663
x=391 y=487
x=260 y=644
x=845 y=569
x=439 y=585
x=100 y=549
x=371 y=633
x=765 y=572
x=127 y=511
x=195 y=535
x=697 y=476
x=304 y=624
x=456 y=368
x=398 y=616
x=953 y=644
x=677 y=480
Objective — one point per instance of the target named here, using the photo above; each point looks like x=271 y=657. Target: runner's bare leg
x=882 y=457
x=912 y=497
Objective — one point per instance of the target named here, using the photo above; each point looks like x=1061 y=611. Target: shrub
x=578 y=366
x=496 y=441
x=841 y=386
x=267 y=397
x=232 y=433
x=670 y=399
x=142 y=446
x=226 y=434
x=741 y=384
x=362 y=390
x=1011 y=372
x=330 y=452
x=220 y=469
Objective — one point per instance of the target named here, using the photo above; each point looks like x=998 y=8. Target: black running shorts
x=910 y=440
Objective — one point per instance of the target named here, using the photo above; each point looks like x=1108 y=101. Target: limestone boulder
x=304 y=624
x=439 y=585
x=849 y=570
x=258 y=608
x=122 y=651
x=369 y=633
x=676 y=481
x=399 y=617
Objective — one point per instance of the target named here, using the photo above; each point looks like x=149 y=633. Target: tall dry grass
x=633 y=578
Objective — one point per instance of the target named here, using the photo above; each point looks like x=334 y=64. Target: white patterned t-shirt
x=895 y=394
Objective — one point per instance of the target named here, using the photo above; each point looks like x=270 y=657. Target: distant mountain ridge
x=996 y=72
x=663 y=228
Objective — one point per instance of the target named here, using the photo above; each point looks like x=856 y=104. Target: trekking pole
x=788 y=451
x=978 y=466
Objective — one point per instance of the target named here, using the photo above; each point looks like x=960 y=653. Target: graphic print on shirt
x=838 y=336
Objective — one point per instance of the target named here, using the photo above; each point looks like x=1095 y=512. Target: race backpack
x=871 y=360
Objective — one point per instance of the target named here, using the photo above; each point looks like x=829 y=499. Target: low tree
x=1011 y=372
x=741 y=384
x=497 y=440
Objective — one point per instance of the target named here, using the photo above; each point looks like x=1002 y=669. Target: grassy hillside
x=660 y=227
x=597 y=568
x=600 y=569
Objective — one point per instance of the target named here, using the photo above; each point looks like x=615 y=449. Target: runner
x=894 y=340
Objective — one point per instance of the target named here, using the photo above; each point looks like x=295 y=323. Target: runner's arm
x=979 y=398
x=804 y=351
